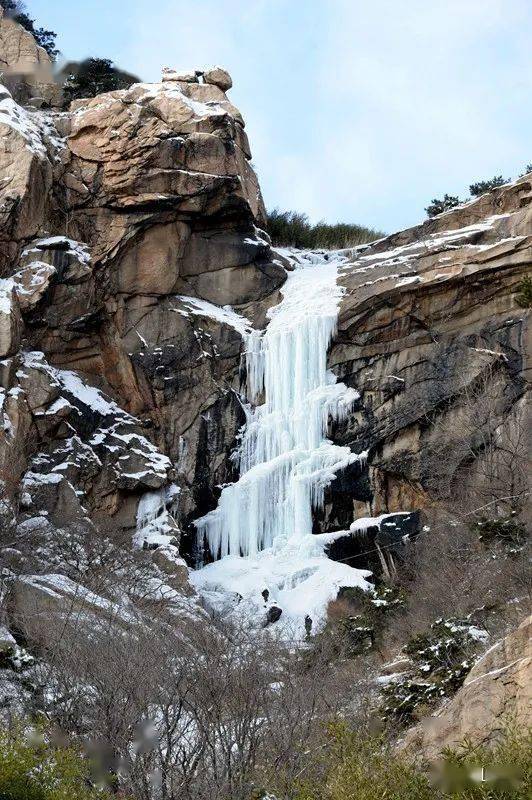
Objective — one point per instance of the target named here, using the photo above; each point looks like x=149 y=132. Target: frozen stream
x=261 y=531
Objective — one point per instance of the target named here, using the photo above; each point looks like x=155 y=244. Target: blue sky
x=357 y=110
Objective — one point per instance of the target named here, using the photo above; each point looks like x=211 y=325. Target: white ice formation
x=262 y=527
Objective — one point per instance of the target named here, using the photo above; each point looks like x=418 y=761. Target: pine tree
x=524 y=298
x=439 y=206
x=482 y=187
x=94 y=76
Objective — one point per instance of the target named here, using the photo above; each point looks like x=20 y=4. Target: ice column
x=286 y=460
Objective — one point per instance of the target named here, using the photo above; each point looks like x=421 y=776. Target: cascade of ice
x=285 y=458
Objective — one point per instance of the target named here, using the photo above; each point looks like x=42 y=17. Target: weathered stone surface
x=10 y=320
x=496 y=694
x=25 y=176
x=162 y=194
x=26 y=67
x=219 y=77
x=428 y=317
x=185 y=76
x=70 y=259
x=173 y=566
x=163 y=146
x=19 y=51
x=42 y=605
x=32 y=282
x=69 y=451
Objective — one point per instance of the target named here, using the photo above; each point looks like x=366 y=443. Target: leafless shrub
x=449 y=571
x=101 y=557
x=478 y=456
x=190 y=709
x=477 y=466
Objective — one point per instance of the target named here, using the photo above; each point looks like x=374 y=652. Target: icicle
x=286 y=462
x=155 y=522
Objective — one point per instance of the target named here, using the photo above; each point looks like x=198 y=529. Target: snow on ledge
x=222 y=314
x=18 y=119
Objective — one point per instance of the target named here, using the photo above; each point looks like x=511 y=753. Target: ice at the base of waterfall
x=294 y=576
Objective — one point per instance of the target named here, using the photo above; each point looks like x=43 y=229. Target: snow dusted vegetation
x=262 y=528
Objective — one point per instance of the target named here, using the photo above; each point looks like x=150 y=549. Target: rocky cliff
x=26 y=68
x=134 y=265
x=114 y=216
x=431 y=335
x=116 y=211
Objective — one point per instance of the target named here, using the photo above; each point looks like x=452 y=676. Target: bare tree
x=477 y=450
x=190 y=709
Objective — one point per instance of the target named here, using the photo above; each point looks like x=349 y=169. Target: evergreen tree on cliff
x=94 y=76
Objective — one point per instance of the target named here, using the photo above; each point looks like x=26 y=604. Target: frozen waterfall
x=285 y=458
x=261 y=531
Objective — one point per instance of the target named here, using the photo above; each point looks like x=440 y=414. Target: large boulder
x=176 y=145
x=32 y=282
x=219 y=77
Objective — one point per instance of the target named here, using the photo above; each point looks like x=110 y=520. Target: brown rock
x=31 y=283
x=161 y=144
x=428 y=314
x=169 y=74
x=27 y=67
x=25 y=177
x=219 y=77
x=155 y=182
x=152 y=264
x=10 y=320
x=174 y=567
x=496 y=693
x=153 y=196
x=38 y=385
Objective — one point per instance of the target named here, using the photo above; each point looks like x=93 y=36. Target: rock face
x=129 y=221
x=127 y=224
x=112 y=216
x=496 y=694
x=432 y=337
x=26 y=67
